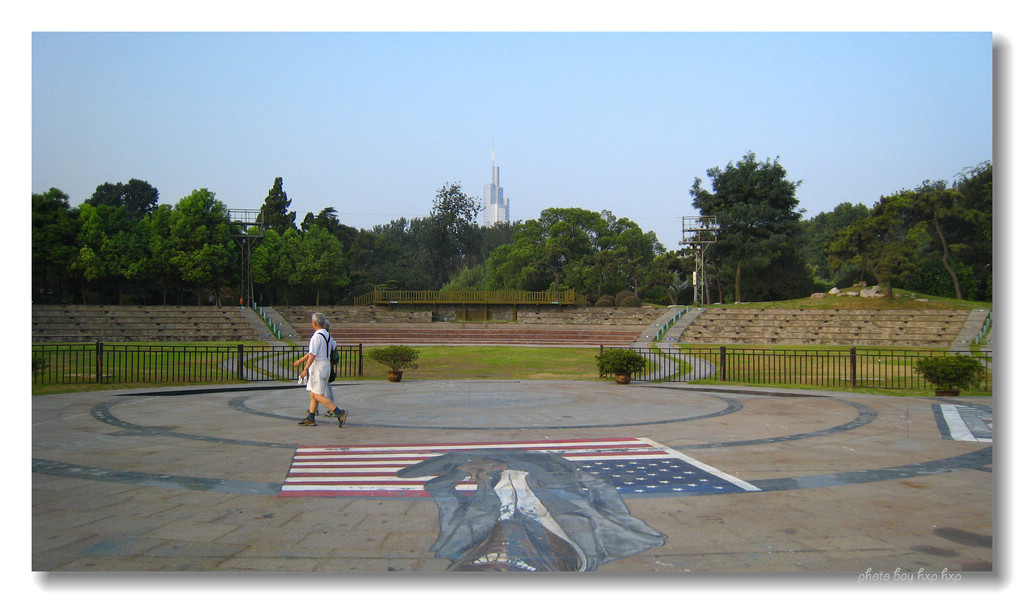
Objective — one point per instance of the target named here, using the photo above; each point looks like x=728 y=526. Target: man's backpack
x=335 y=359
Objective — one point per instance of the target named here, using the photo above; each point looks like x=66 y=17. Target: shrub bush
x=951 y=372
x=395 y=357
x=621 y=295
x=620 y=361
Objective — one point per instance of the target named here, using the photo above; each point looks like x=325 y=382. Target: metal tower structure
x=699 y=233
x=245 y=220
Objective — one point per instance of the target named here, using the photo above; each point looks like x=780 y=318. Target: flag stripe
x=635 y=466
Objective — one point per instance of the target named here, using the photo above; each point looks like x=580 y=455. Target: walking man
x=318 y=371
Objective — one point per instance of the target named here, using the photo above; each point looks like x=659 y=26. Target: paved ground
x=190 y=478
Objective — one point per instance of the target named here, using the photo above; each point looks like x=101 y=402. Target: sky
x=373 y=124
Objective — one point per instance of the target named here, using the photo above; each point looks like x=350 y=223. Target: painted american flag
x=635 y=466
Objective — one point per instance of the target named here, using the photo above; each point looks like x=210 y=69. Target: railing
x=985 y=328
x=850 y=368
x=69 y=363
x=266 y=320
x=381 y=296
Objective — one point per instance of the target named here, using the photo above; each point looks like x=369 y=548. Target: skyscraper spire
x=496 y=205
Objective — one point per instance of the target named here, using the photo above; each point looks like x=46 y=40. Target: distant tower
x=495 y=203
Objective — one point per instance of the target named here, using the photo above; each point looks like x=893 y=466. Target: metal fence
x=848 y=368
x=69 y=363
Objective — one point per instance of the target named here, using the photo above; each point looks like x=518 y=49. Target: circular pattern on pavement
x=488 y=406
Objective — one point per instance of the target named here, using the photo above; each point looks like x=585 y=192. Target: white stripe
x=587 y=455
x=344 y=469
x=958 y=430
x=339 y=488
x=358 y=478
x=303 y=454
x=554 y=444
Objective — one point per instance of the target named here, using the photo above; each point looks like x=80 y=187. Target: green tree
x=975 y=186
x=275 y=261
x=817 y=232
x=573 y=248
x=755 y=205
x=889 y=242
x=322 y=262
x=54 y=231
x=671 y=273
x=161 y=249
x=138 y=197
x=275 y=212
x=635 y=248
x=93 y=261
x=114 y=255
x=448 y=234
x=200 y=229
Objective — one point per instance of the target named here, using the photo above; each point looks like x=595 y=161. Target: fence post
x=360 y=360
x=99 y=362
x=241 y=359
x=853 y=367
x=721 y=363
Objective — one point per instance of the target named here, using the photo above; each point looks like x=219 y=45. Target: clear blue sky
x=373 y=124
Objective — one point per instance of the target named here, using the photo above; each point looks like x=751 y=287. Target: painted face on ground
x=531 y=511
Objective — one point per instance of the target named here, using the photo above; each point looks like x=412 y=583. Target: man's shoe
x=329 y=413
x=308 y=422
x=341 y=415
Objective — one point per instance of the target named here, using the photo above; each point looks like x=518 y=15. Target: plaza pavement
x=188 y=478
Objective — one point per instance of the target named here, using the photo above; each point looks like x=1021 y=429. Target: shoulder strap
x=328 y=342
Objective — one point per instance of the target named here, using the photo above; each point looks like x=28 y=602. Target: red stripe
x=341 y=482
x=433 y=447
x=319 y=493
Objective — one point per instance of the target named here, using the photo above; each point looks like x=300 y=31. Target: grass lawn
x=496 y=362
x=435 y=362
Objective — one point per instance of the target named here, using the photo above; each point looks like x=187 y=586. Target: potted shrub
x=950 y=374
x=621 y=363
x=395 y=357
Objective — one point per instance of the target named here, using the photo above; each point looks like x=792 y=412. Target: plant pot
x=947 y=392
x=394 y=376
x=622 y=378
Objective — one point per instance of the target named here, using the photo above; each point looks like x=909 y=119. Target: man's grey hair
x=319 y=319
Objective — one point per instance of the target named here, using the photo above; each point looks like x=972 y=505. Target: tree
x=275 y=212
x=755 y=205
x=90 y=262
x=817 y=232
x=939 y=206
x=138 y=197
x=670 y=272
x=54 y=230
x=161 y=249
x=889 y=242
x=574 y=248
x=933 y=239
x=975 y=186
x=446 y=236
x=322 y=262
x=635 y=248
x=200 y=230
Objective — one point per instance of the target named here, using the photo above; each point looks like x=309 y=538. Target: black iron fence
x=68 y=363
x=847 y=368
